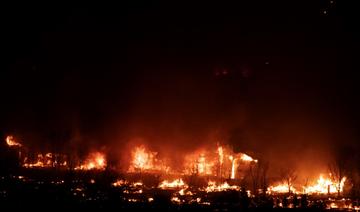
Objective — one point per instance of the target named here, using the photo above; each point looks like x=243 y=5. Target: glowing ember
x=41 y=162
x=95 y=161
x=175 y=200
x=10 y=141
x=174 y=184
x=119 y=183
x=325 y=186
x=137 y=184
x=213 y=187
x=183 y=192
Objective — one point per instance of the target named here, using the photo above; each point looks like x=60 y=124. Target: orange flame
x=95 y=160
x=247 y=158
x=44 y=161
x=144 y=160
x=233 y=160
x=213 y=187
x=325 y=185
x=10 y=141
x=172 y=184
x=281 y=188
x=221 y=155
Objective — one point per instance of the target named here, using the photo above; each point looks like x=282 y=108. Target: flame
x=247 y=158
x=174 y=184
x=213 y=187
x=119 y=183
x=10 y=141
x=281 y=188
x=233 y=163
x=47 y=160
x=221 y=155
x=94 y=161
x=39 y=163
x=144 y=160
x=175 y=200
x=183 y=192
x=205 y=162
x=199 y=163
x=325 y=186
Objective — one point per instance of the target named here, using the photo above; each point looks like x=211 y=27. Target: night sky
x=270 y=78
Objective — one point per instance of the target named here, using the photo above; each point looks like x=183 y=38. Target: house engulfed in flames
x=221 y=163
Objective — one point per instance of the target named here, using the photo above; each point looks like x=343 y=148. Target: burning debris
x=95 y=160
x=281 y=189
x=214 y=187
x=321 y=186
x=178 y=183
x=206 y=175
x=221 y=168
x=47 y=160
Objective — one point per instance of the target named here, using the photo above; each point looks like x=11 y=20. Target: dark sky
x=267 y=77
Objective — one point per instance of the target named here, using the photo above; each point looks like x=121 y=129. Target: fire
x=175 y=200
x=281 y=188
x=119 y=183
x=246 y=157
x=325 y=186
x=142 y=159
x=222 y=162
x=10 y=141
x=183 y=192
x=174 y=184
x=322 y=186
x=96 y=160
x=233 y=163
x=145 y=160
x=213 y=187
x=221 y=155
x=200 y=163
x=45 y=161
x=38 y=163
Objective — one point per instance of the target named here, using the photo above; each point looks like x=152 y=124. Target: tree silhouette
x=288 y=176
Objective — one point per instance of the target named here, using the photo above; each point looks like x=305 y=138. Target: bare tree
x=258 y=174
x=337 y=169
x=288 y=176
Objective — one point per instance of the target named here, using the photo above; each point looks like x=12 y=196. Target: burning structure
x=204 y=172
